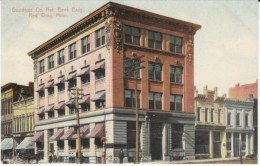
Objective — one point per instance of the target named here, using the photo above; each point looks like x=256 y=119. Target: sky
x=225 y=47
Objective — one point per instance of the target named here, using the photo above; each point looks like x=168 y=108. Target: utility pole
x=135 y=66
x=77 y=92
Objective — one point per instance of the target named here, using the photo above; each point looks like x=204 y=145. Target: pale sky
x=225 y=46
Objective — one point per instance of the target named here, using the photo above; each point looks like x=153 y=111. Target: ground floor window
x=177 y=133
x=72 y=144
x=98 y=143
x=40 y=145
x=84 y=143
x=60 y=145
x=131 y=133
x=201 y=142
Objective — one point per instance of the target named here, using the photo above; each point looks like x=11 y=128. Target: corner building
x=90 y=55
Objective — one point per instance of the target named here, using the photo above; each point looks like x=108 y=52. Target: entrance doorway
x=236 y=144
x=216 y=145
x=156 y=141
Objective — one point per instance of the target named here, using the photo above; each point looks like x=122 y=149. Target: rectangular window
x=72 y=109
x=229 y=118
x=60 y=144
x=85 y=79
x=172 y=103
x=51 y=91
x=84 y=143
x=154 y=40
x=132 y=35
x=177 y=133
x=131 y=134
x=155 y=100
x=128 y=68
x=238 y=119
x=100 y=104
x=178 y=103
x=50 y=62
x=198 y=114
x=61 y=57
x=100 y=37
x=206 y=115
x=41 y=116
x=219 y=116
x=41 y=66
x=85 y=44
x=85 y=107
x=212 y=115
x=176 y=44
x=130 y=98
x=176 y=74
x=243 y=138
x=50 y=114
x=246 y=120
x=155 y=71
x=61 y=112
x=72 y=51
x=228 y=141
x=99 y=74
x=72 y=144
x=72 y=83
x=61 y=87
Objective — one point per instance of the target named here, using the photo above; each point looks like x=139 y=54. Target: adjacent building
x=90 y=55
x=210 y=128
x=9 y=94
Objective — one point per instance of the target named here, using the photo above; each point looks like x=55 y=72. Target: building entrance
x=156 y=141
x=236 y=145
x=216 y=145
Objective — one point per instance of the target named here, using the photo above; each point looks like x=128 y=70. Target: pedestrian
x=121 y=156
x=50 y=157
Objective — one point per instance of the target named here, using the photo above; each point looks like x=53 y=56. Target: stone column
x=232 y=144
x=66 y=144
x=165 y=142
x=46 y=146
x=92 y=147
x=252 y=143
x=211 y=143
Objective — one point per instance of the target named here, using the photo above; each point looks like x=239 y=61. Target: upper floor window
x=132 y=35
x=72 y=51
x=51 y=62
x=61 y=57
x=154 y=40
x=246 y=120
x=176 y=103
x=212 y=115
x=155 y=100
x=128 y=68
x=41 y=66
x=198 y=114
x=229 y=118
x=219 y=115
x=100 y=37
x=176 y=74
x=206 y=114
x=175 y=44
x=238 y=119
x=99 y=70
x=41 y=94
x=85 y=44
x=155 y=71
x=130 y=98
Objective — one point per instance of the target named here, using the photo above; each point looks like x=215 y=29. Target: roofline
x=102 y=8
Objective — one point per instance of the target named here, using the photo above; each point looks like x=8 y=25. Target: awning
x=38 y=137
x=99 y=96
x=50 y=108
x=60 y=106
x=7 y=144
x=61 y=80
x=84 y=130
x=49 y=84
x=71 y=102
x=68 y=134
x=72 y=76
x=41 y=110
x=99 y=65
x=57 y=135
x=85 y=99
x=83 y=71
x=40 y=88
x=26 y=144
x=97 y=132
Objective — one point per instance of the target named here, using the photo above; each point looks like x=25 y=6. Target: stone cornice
x=118 y=11
x=236 y=103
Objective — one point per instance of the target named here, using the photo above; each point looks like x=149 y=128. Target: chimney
x=205 y=90
x=215 y=93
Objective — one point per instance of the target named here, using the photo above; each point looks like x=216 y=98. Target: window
x=229 y=118
x=84 y=143
x=51 y=62
x=51 y=91
x=219 y=115
x=206 y=114
x=41 y=66
x=41 y=94
x=100 y=104
x=61 y=112
x=61 y=87
x=72 y=51
x=40 y=145
x=228 y=141
x=61 y=57
x=72 y=109
x=98 y=143
x=246 y=120
x=155 y=71
x=177 y=132
x=175 y=44
x=238 y=119
x=176 y=74
x=41 y=116
x=100 y=73
x=100 y=37
x=128 y=68
x=212 y=115
x=85 y=107
x=60 y=144
x=85 y=78
x=154 y=40
x=198 y=114
x=155 y=100
x=72 y=144
x=176 y=103
x=85 y=44
x=72 y=83
x=132 y=35
x=243 y=138
x=50 y=114
x=131 y=134
x=130 y=98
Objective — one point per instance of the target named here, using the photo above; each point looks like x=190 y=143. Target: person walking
x=50 y=157
x=121 y=156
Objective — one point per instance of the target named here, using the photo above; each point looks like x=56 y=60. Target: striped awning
x=101 y=95
x=71 y=102
x=84 y=130
x=7 y=144
x=60 y=106
x=41 y=110
x=38 y=137
x=61 y=80
x=72 y=75
x=49 y=84
x=57 y=135
x=85 y=99
x=40 y=88
x=26 y=144
x=99 y=65
x=68 y=134
x=50 y=108
x=97 y=132
x=84 y=71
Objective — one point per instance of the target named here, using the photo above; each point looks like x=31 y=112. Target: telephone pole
x=135 y=67
x=77 y=93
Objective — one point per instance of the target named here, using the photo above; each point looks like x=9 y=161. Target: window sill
x=177 y=84
x=132 y=78
x=100 y=79
x=156 y=81
x=86 y=84
x=61 y=92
